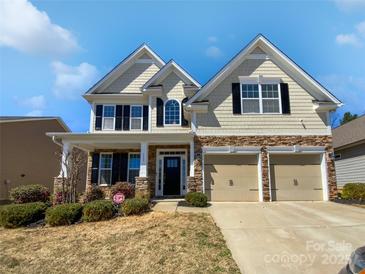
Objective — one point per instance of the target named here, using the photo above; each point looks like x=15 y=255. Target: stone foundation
x=193 y=186
x=142 y=188
x=264 y=142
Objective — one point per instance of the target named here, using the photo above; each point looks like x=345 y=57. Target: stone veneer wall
x=152 y=151
x=264 y=142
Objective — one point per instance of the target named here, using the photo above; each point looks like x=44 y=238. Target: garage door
x=296 y=177
x=231 y=177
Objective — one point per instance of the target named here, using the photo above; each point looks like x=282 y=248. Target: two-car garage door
x=235 y=177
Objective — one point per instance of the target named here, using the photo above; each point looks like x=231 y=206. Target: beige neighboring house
x=349 y=145
x=258 y=130
x=27 y=155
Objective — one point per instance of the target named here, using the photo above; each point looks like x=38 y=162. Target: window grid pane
x=108 y=123
x=136 y=123
x=270 y=106
x=250 y=106
x=134 y=161
x=136 y=111
x=109 y=111
x=106 y=161
x=172 y=112
x=250 y=91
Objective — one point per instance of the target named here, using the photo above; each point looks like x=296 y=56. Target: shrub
x=353 y=191
x=98 y=211
x=93 y=194
x=197 y=199
x=64 y=214
x=124 y=187
x=57 y=198
x=135 y=206
x=17 y=215
x=29 y=194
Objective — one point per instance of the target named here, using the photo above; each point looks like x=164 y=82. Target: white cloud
x=35 y=102
x=34 y=113
x=361 y=28
x=25 y=28
x=348 y=39
x=213 y=52
x=350 y=5
x=356 y=38
x=212 y=39
x=71 y=81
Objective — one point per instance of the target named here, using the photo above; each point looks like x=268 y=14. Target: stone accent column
x=265 y=175
x=57 y=184
x=331 y=175
x=142 y=188
x=198 y=161
x=192 y=186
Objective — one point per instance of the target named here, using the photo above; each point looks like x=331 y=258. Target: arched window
x=172 y=112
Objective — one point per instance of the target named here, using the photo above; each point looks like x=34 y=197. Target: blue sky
x=51 y=52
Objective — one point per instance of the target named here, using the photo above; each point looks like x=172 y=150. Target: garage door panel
x=231 y=177
x=296 y=177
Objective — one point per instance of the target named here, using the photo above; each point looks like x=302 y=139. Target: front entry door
x=172 y=175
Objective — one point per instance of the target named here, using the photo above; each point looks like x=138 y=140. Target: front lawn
x=156 y=242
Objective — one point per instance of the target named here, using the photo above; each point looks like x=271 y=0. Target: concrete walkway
x=290 y=237
x=176 y=205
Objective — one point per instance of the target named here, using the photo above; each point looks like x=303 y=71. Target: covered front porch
x=158 y=164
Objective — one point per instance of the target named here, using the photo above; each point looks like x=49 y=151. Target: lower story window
x=133 y=167
x=105 y=175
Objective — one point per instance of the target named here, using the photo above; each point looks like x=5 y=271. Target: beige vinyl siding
x=351 y=167
x=172 y=87
x=220 y=118
x=133 y=79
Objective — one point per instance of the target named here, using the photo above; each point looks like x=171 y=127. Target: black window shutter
x=236 y=98
x=126 y=113
x=145 y=117
x=285 y=101
x=98 y=116
x=116 y=168
x=123 y=165
x=118 y=117
x=95 y=168
x=184 y=122
x=159 y=120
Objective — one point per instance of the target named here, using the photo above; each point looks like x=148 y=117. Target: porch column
x=192 y=151
x=144 y=160
x=66 y=150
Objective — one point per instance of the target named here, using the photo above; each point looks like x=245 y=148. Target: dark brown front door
x=172 y=176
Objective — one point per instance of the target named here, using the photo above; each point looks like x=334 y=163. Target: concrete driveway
x=290 y=237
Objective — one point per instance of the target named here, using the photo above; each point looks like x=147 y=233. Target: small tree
x=347 y=117
x=72 y=164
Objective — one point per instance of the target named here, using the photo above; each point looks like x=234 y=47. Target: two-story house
x=258 y=130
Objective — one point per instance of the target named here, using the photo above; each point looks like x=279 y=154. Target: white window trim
x=164 y=113
x=130 y=118
x=103 y=117
x=129 y=154
x=259 y=83
x=111 y=168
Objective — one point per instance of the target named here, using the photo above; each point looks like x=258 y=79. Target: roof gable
x=170 y=67
x=141 y=54
x=283 y=61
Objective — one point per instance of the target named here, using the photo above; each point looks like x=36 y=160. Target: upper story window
x=136 y=118
x=108 y=117
x=260 y=98
x=172 y=112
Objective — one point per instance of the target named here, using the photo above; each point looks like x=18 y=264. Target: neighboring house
x=27 y=155
x=258 y=130
x=349 y=145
